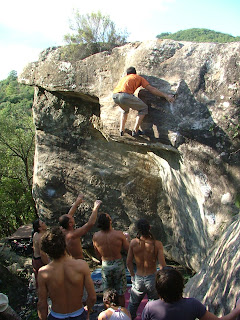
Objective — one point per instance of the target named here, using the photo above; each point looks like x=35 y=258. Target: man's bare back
x=109 y=244
x=146 y=253
x=37 y=252
x=74 y=245
x=63 y=279
x=145 y=250
x=36 y=244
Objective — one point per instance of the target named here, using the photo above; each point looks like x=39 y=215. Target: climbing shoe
x=138 y=133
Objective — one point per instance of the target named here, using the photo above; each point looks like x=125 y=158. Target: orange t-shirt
x=130 y=83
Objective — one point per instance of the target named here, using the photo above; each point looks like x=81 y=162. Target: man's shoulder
x=153 y=303
x=68 y=233
x=44 y=270
x=158 y=243
x=118 y=233
x=97 y=234
x=134 y=76
x=80 y=262
x=81 y=265
x=134 y=241
x=36 y=236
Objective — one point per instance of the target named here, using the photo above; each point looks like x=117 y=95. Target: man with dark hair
x=104 y=222
x=108 y=244
x=171 y=305
x=123 y=95
x=146 y=251
x=73 y=236
x=39 y=258
x=63 y=280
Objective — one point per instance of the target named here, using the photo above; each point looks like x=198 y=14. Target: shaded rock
x=217 y=285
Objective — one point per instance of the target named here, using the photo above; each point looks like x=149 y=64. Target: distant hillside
x=198 y=35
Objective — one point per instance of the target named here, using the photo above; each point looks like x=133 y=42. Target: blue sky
x=27 y=27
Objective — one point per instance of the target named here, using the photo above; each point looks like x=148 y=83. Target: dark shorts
x=127 y=101
x=37 y=264
x=80 y=314
x=114 y=276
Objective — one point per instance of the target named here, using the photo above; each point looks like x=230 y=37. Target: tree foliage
x=95 y=30
x=16 y=154
x=198 y=35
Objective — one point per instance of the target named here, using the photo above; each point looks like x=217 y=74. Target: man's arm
x=125 y=242
x=74 y=207
x=42 y=304
x=88 y=284
x=159 y=93
x=161 y=259
x=44 y=257
x=231 y=316
x=98 y=254
x=79 y=232
x=130 y=257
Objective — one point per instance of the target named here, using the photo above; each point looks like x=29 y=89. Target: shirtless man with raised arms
x=146 y=251
x=108 y=244
x=63 y=280
x=73 y=236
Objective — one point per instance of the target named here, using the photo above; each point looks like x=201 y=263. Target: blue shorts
x=80 y=314
x=140 y=286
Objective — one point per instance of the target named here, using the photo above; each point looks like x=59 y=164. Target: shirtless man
x=40 y=258
x=146 y=251
x=73 y=236
x=63 y=280
x=108 y=244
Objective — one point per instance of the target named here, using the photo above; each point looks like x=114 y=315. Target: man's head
x=104 y=221
x=110 y=298
x=131 y=70
x=39 y=225
x=143 y=228
x=53 y=243
x=169 y=284
x=36 y=225
x=66 y=221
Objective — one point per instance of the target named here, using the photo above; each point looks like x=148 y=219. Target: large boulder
x=183 y=176
x=217 y=284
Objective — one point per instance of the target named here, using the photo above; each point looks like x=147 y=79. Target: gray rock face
x=217 y=284
x=187 y=195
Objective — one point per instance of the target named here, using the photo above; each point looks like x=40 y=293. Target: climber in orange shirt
x=123 y=95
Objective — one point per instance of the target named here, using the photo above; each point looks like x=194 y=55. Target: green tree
x=163 y=34
x=199 y=35
x=95 y=30
x=16 y=154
